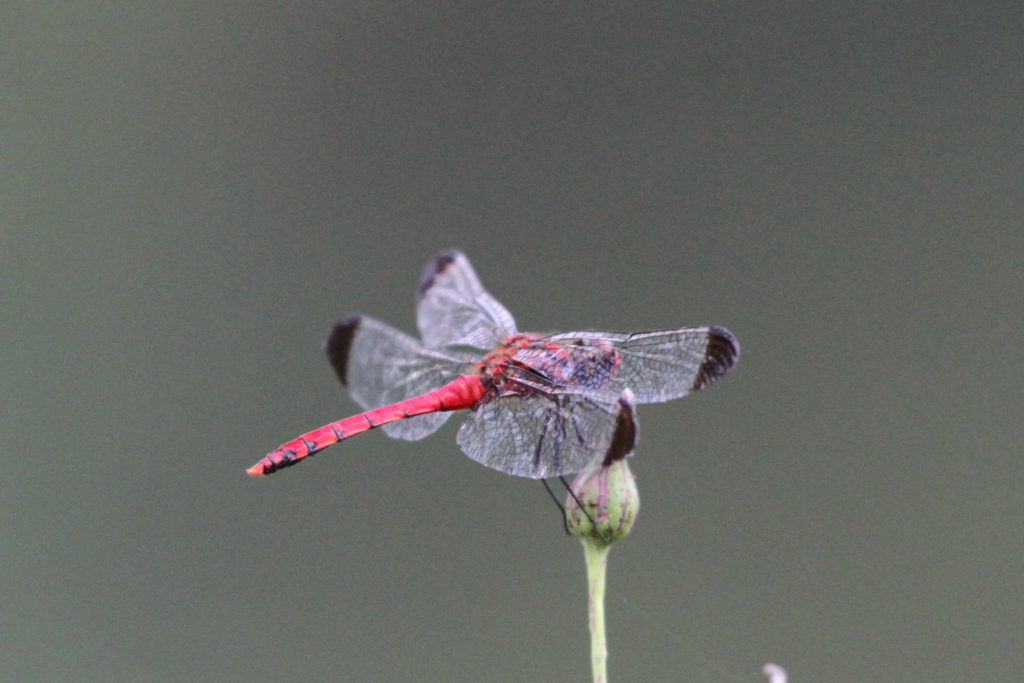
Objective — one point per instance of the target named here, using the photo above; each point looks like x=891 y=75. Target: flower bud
x=610 y=497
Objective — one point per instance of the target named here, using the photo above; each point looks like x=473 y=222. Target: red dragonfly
x=539 y=405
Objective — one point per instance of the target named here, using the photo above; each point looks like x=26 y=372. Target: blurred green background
x=194 y=192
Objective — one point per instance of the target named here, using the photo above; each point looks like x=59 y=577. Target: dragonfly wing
x=381 y=365
x=664 y=364
x=541 y=437
x=454 y=309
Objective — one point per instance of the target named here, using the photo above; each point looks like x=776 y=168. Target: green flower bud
x=610 y=497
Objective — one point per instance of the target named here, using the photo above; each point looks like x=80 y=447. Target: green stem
x=596 y=554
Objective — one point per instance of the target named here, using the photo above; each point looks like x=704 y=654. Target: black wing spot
x=435 y=268
x=624 y=436
x=720 y=354
x=339 y=345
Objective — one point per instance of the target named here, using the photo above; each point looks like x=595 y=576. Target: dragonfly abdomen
x=460 y=393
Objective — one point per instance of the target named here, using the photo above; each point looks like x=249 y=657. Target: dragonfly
x=537 y=405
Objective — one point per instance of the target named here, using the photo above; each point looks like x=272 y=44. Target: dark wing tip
x=339 y=344
x=720 y=354
x=624 y=437
x=433 y=269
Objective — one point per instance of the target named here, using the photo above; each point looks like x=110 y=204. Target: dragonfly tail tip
x=256 y=470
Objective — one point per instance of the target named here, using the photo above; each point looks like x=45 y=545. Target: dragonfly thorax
x=525 y=362
x=492 y=365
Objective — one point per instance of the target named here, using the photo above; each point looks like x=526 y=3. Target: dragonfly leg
x=548 y=416
x=579 y=431
x=582 y=402
x=558 y=503
x=572 y=493
x=558 y=438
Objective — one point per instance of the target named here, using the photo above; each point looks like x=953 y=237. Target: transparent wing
x=664 y=364
x=381 y=365
x=454 y=309
x=542 y=436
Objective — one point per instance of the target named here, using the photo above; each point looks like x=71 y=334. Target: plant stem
x=596 y=554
